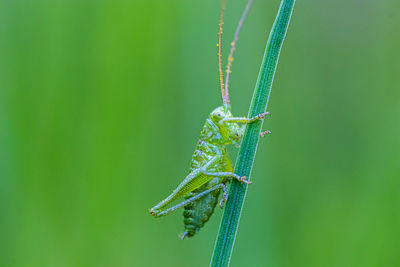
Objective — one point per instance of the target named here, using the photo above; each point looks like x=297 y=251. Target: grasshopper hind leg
x=187 y=201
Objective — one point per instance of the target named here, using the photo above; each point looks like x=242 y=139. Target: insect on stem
x=210 y=168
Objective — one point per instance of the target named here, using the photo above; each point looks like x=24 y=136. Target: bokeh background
x=102 y=102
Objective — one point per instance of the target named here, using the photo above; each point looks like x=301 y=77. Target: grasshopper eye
x=218 y=115
x=238 y=135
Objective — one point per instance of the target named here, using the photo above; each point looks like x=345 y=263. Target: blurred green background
x=102 y=102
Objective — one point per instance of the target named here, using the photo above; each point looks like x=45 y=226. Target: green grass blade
x=230 y=220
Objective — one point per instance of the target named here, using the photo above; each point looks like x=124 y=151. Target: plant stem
x=231 y=217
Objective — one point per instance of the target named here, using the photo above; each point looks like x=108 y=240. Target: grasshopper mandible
x=210 y=167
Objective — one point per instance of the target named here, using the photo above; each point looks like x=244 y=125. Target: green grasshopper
x=210 y=167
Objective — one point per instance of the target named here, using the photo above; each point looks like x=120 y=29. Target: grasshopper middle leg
x=228 y=175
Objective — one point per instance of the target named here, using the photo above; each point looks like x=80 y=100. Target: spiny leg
x=183 y=188
x=189 y=200
x=228 y=175
x=245 y=119
x=175 y=194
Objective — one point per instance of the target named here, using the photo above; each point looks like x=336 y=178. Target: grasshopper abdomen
x=196 y=214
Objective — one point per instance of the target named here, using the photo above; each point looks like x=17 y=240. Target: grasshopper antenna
x=233 y=46
x=225 y=97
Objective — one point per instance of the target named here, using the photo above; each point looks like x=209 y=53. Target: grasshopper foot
x=262 y=115
x=243 y=180
x=184 y=235
x=262 y=134
x=223 y=199
x=154 y=212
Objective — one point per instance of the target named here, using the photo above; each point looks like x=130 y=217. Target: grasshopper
x=210 y=168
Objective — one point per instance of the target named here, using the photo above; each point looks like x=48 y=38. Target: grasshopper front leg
x=245 y=119
x=249 y=120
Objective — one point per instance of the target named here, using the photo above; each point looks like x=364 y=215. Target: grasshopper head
x=220 y=113
x=230 y=131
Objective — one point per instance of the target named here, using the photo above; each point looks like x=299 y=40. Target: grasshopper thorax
x=231 y=132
